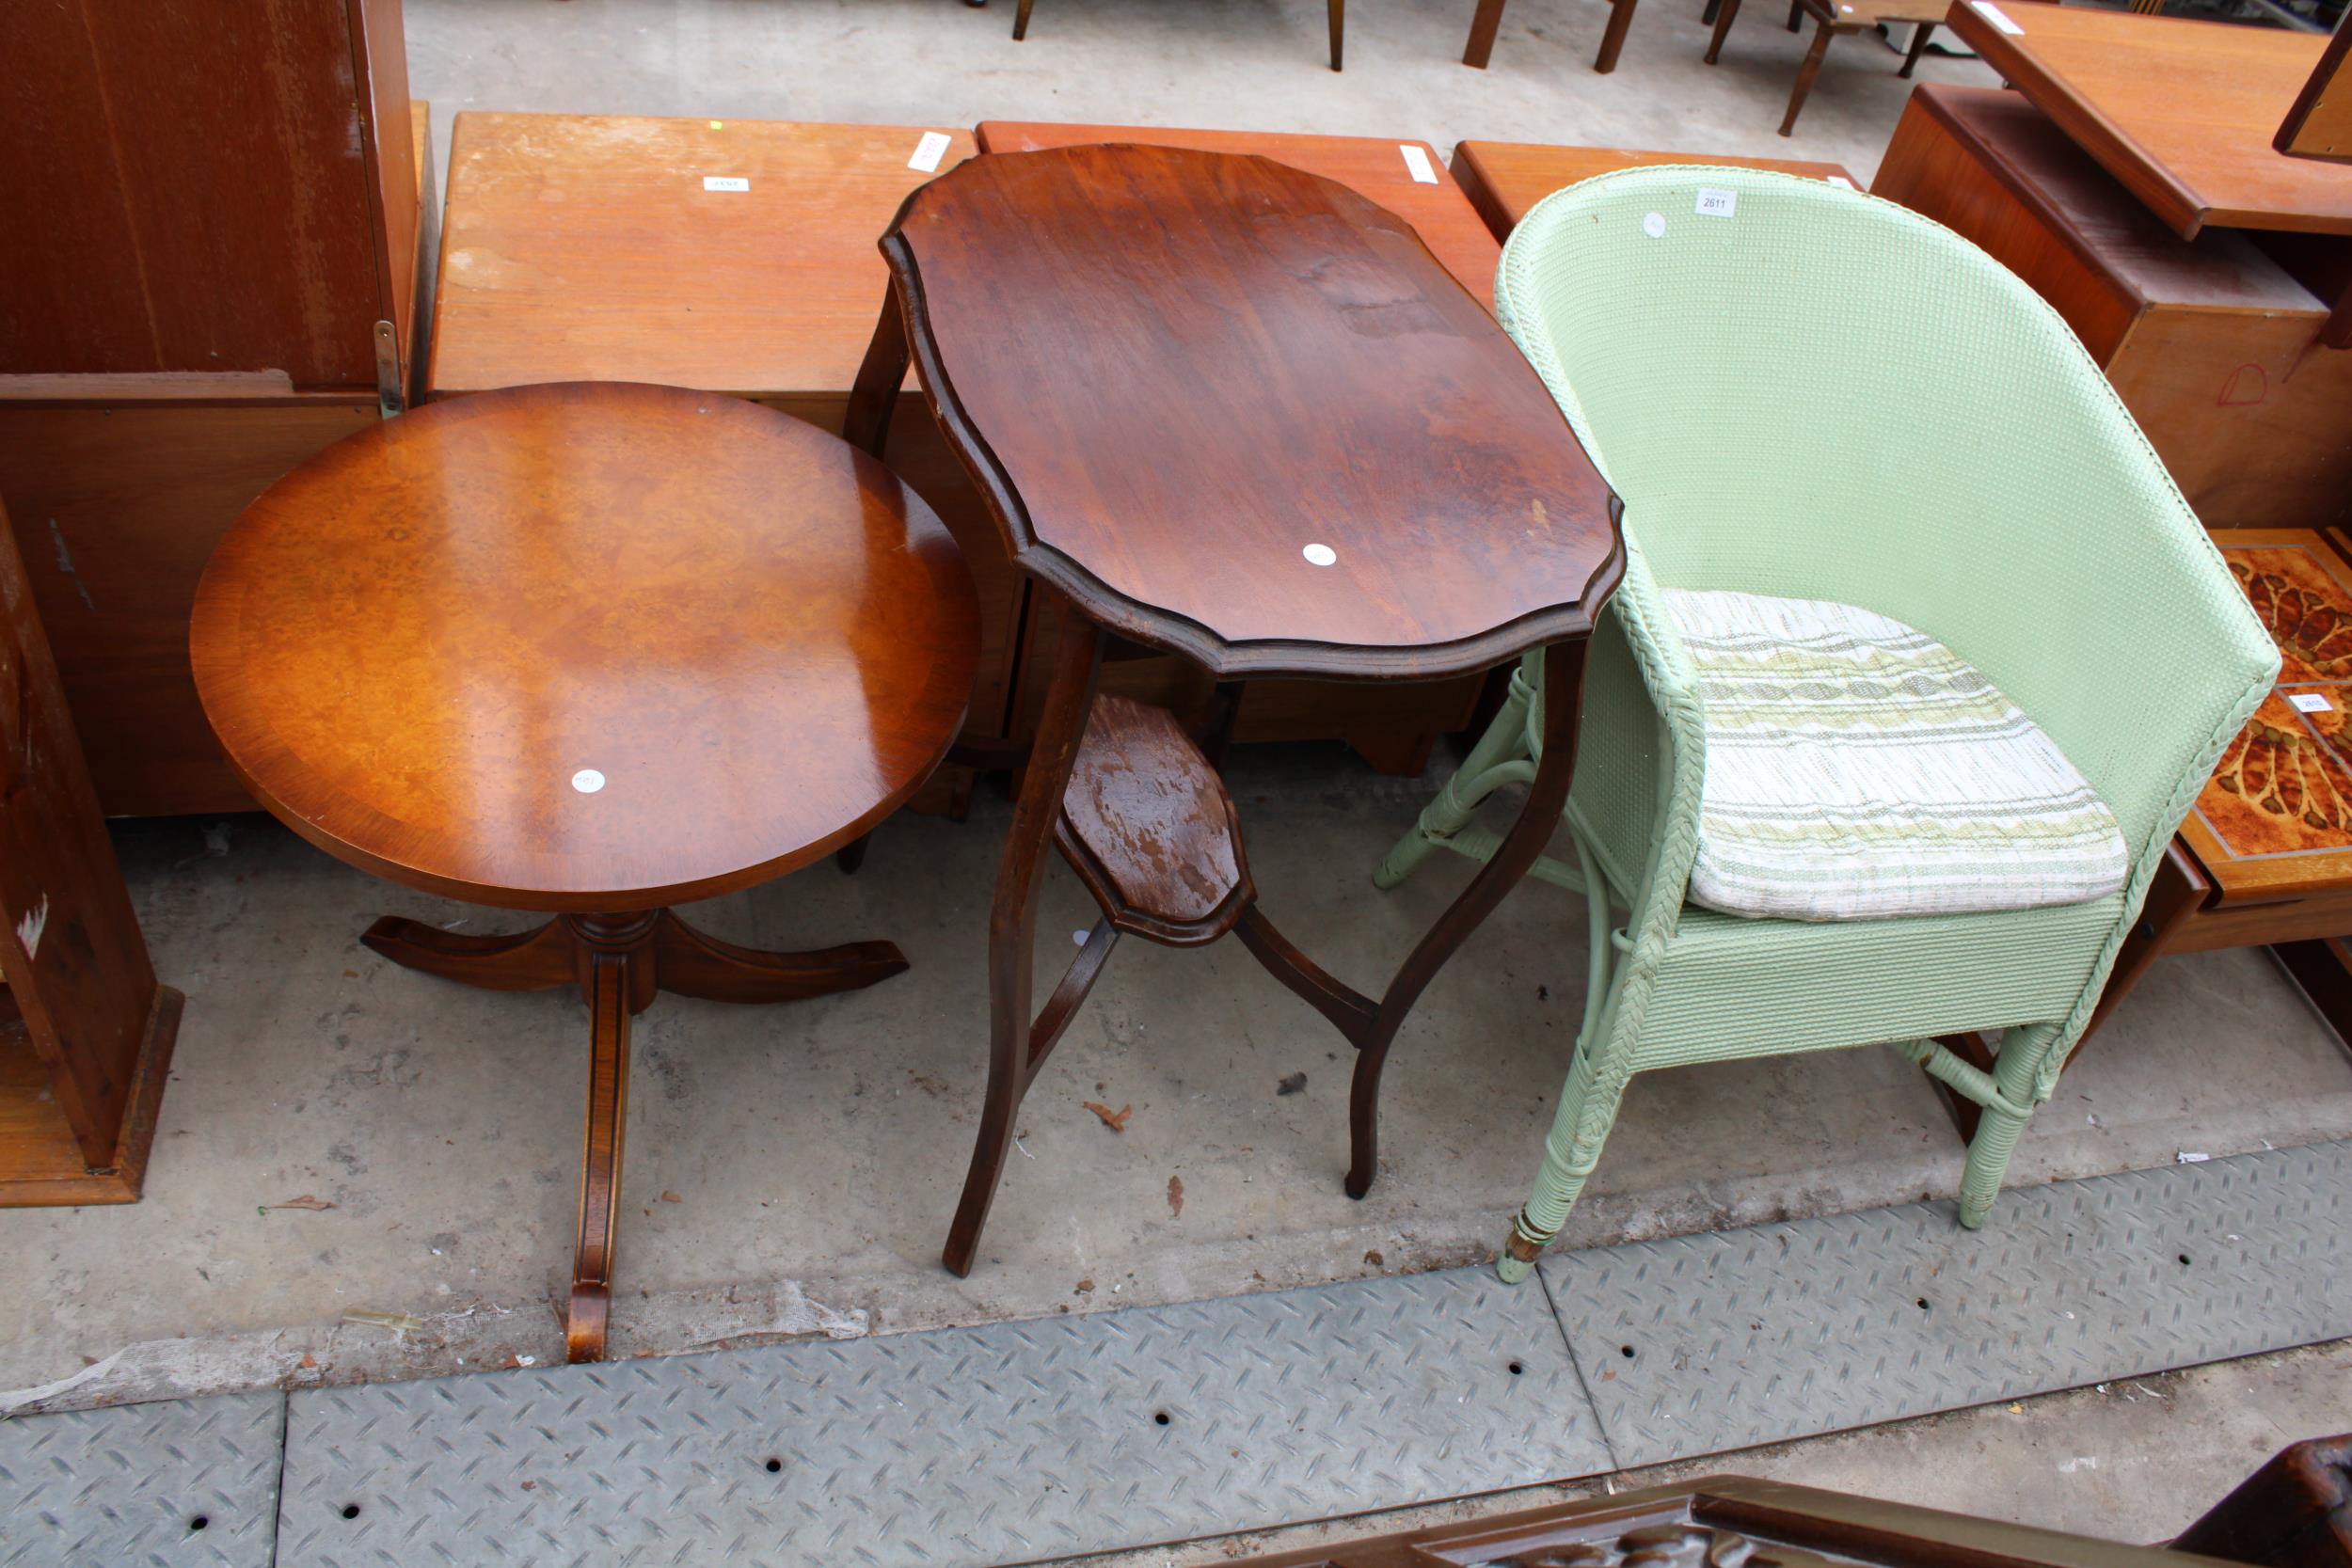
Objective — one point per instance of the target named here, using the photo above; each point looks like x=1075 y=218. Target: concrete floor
x=792 y=1171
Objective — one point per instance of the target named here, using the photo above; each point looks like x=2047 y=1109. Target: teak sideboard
x=222 y=280
x=2215 y=342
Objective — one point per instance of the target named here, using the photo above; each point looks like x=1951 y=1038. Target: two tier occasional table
x=594 y=649
x=1229 y=411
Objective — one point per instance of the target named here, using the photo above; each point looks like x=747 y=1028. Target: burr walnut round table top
x=588 y=646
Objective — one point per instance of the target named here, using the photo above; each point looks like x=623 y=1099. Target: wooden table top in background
x=1372 y=166
x=1238 y=412
x=2181 y=112
x=585 y=247
x=597 y=647
x=1504 y=178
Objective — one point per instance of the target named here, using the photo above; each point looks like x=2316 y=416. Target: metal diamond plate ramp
x=128 y=1486
x=990 y=1445
x=1704 y=1343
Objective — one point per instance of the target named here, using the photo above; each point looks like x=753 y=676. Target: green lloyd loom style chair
x=1878 y=501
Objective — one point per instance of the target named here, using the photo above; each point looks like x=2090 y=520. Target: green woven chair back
x=1801 y=389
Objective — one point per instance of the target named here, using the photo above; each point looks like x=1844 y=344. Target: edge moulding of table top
x=593 y=648
x=1394 y=495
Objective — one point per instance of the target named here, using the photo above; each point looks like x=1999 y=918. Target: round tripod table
x=591 y=648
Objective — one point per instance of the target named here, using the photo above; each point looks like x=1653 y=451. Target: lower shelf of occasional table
x=1149 y=829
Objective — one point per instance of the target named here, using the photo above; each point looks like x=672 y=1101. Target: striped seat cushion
x=1858 y=770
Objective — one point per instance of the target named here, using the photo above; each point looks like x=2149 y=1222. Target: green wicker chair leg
x=1506 y=741
x=1587 y=1111
x=1997 y=1131
x=2017 y=1077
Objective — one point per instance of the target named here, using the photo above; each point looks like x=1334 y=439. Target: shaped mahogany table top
x=1184 y=377
x=587 y=646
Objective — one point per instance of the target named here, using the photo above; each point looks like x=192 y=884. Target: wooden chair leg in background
x=1923 y=32
x=1796 y=15
x=1339 y=29
x=1726 y=12
x=1706 y=13
x=1020 y=20
x=1806 y=74
x=1613 y=38
x=1484 y=26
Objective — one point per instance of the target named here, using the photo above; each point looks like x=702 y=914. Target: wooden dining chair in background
x=1337 y=9
x=1487 y=20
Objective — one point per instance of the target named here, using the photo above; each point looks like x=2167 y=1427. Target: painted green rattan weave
x=1824 y=395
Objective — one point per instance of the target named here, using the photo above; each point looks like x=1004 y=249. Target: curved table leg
x=615 y=982
x=538 y=959
x=619 y=961
x=1012 y=928
x=694 y=963
x=1564 y=688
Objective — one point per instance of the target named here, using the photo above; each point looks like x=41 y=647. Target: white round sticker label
x=1320 y=555
x=1655 y=226
x=587 y=781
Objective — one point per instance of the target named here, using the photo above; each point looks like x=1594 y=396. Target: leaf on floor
x=305 y=1201
x=1176 y=1196
x=1115 y=1120
x=672 y=1197
x=1295 y=1083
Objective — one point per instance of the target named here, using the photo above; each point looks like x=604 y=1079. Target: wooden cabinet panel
x=118 y=506
x=215 y=206
x=203 y=189
x=2211 y=344
x=85 y=1032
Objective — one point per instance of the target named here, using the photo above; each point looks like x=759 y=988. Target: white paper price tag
x=2310 y=702
x=1997 y=16
x=1717 y=204
x=725 y=183
x=929 y=152
x=1417 y=164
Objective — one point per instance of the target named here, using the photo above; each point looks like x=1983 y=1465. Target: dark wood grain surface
x=1185 y=378
x=413 y=644
x=2182 y=112
x=1149 y=827
x=204 y=188
x=1373 y=167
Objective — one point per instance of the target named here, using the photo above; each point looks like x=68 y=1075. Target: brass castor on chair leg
x=1517 y=1259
